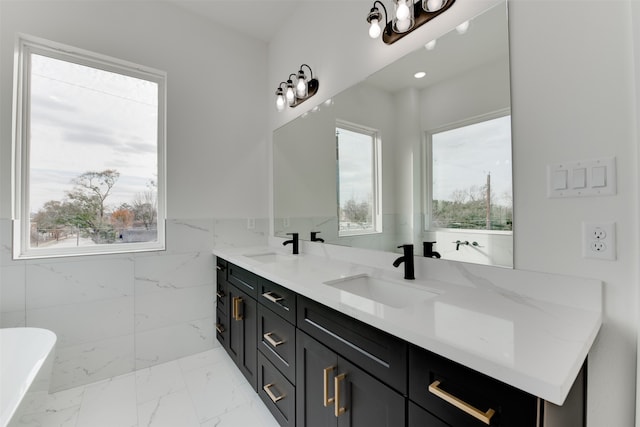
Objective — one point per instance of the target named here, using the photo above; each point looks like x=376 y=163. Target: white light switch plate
x=582 y=178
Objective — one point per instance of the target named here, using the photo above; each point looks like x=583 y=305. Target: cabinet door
x=242 y=336
x=316 y=367
x=363 y=401
x=331 y=391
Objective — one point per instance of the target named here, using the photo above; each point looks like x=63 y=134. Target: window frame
x=377 y=178
x=428 y=174
x=25 y=46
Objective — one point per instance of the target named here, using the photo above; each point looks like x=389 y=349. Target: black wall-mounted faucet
x=407 y=258
x=294 y=240
x=315 y=238
x=427 y=248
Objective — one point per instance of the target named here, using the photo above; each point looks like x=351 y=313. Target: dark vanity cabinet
x=277 y=351
x=348 y=373
x=236 y=317
x=316 y=367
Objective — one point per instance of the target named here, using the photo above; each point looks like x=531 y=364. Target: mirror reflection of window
x=358 y=180
x=471 y=176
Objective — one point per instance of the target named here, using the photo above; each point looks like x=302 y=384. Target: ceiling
x=259 y=19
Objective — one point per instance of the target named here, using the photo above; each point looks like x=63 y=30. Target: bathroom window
x=358 y=160
x=471 y=185
x=89 y=146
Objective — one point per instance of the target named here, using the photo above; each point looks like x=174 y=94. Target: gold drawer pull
x=219 y=268
x=219 y=328
x=339 y=410
x=220 y=294
x=271 y=341
x=327 y=400
x=485 y=417
x=237 y=304
x=273 y=397
x=272 y=297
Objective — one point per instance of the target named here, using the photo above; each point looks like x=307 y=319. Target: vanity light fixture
x=295 y=94
x=407 y=17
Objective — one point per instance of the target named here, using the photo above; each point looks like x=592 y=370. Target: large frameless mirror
x=418 y=152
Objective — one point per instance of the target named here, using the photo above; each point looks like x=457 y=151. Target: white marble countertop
x=530 y=330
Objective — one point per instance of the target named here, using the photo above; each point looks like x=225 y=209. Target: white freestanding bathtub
x=26 y=360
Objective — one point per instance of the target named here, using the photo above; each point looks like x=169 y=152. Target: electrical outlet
x=599 y=240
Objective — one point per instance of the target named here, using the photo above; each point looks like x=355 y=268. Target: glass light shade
x=374 y=29
x=280 y=101
x=290 y=94
x=433 y=5
x=403 y=18
x=302 y=88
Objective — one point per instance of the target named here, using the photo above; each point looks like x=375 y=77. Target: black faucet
x=315 y=238
x=428 y=251
x=407 y=258
x=294 y=240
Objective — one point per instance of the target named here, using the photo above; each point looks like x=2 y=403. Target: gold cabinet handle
x=273 y=397
x=485 y=417
x=336 y=381
x=271 y=341
x=219 y=268
x=327 y=400
x=220 y=294
x=237 y=304
x=272 y=297
x=219 y=328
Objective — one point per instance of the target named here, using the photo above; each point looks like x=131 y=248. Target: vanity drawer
x=276 y=340
x=279 y=299
x=276 y=392
x=245 y=280
x=379 y=353
x=451 y=392
x=222 y=291
x=418 y=417
x=222 y=330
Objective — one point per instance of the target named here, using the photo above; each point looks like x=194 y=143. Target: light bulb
x=432 y=5
x=462 y=28
x=402 y=10
x=431 y=45
x=301 y=86
x=374 y=29
x=403 y=25
x=280 y=102
x=289 y=94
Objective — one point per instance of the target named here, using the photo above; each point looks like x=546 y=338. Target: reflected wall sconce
x=292 y=94
x=407 y=17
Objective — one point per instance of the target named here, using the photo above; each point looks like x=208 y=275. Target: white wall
x=116 y=313
x=572 y=99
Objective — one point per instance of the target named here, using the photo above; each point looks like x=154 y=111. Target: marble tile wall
x=117 y=313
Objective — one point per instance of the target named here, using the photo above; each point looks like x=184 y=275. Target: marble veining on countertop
x=528 y=329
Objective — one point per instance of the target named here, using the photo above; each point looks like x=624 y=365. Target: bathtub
x=26 y=360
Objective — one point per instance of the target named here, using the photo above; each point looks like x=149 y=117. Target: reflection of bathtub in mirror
x=26 y=362
x=479 y=333
x=467 y=77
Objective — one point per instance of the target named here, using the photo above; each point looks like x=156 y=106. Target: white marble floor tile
x=169 y=410
x=110 y=403
x=158 y=381
x=201 y=390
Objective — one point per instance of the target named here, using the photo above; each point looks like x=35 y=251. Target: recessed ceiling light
x=419 y=74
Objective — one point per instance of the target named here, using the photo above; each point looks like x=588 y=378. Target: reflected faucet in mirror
x=315 y=238
x=407 y=258
x=428 y=252
x=294 y=241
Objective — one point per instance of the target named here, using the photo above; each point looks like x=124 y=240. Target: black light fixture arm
x=310 y=70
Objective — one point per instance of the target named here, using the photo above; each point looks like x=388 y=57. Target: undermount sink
x=270 y=257
x=386 y=292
